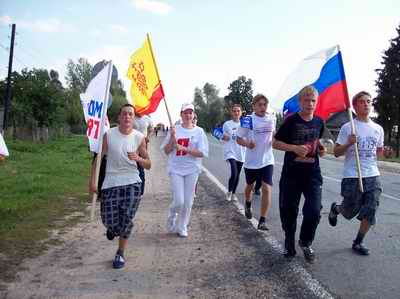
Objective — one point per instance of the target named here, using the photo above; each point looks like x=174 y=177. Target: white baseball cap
x=187 y=106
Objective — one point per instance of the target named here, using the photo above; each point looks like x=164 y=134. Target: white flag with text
x=94 y=102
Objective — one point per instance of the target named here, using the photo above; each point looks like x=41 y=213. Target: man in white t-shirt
x=369 y=137
x=256 y=134
x=233 y=152
x=120 y=192
x=144 y=125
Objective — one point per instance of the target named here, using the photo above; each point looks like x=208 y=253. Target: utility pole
x=7 y=97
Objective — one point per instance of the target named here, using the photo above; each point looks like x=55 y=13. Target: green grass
x=40 y=184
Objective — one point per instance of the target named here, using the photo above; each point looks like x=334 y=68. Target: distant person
x=185 y=146
x=369 y=137
x=121 y=190
x=156 y=131
x=259 y=158
x=144 y=125
x=299 y=137
x=3 y=149
x=233 y=152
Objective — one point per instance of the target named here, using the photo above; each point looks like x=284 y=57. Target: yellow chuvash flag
x=146 y=88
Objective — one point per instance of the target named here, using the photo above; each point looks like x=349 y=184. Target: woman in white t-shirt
x=185 y=145
x=233 y=152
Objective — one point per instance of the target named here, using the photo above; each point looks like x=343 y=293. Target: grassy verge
x=40 y=184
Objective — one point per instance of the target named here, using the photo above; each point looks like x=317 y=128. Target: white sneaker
x=228 y=196
x=234 y=197
x=171 y=223
x=183 y=234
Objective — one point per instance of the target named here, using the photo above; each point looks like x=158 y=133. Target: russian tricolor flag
x=324 y=70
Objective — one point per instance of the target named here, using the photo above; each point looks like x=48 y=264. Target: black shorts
x=264 y=173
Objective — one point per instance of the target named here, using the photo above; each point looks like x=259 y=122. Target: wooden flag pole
x=353 y=128
x=357 y=156
x=99 y=155
x=158 y=76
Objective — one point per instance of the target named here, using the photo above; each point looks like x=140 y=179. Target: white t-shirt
x=121 y=171
x=263 y=129
x=142 y=124
x=370 y=136
x=232 y=150
x=182 y=163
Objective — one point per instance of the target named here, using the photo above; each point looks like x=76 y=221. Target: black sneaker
x=257 y=192
x=262 y=225
x=309 y=254
x=118 y=262
x=360 y=249
x=247 y=211
x=332 y=217
x=290 y=250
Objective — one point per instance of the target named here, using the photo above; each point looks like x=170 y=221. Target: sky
x=195 y=42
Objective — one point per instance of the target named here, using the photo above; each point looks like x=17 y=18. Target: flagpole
x=353 y=128
x=158 y=76
x=99 y=154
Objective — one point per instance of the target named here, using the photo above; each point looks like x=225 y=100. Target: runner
x=185 y=145
x=299 y=137
x=259 y=159
x=120 y=195
x=233 y=152
x=369 y=137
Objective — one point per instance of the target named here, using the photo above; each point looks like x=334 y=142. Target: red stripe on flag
x=155 y=100
x=332 y=100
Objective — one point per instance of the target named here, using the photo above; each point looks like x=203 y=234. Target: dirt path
x=223 y=257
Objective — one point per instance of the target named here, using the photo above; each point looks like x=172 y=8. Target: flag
x=246 y=122
x=218 y=133
x=94 y=103
x=146 y=88
x=3 y=147
x=324 y=70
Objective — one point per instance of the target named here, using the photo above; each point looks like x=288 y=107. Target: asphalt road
x=343 y=273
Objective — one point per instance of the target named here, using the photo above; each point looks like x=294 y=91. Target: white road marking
x=313 y=285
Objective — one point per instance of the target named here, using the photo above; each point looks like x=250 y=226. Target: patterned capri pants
x=118 y=208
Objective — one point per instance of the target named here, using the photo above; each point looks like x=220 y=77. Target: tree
x=209 y=106
x=36 y=102
x=387 y=102
x=78 y=74
x=241 y=92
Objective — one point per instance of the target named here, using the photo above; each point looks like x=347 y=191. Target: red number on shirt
x=184 y=142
